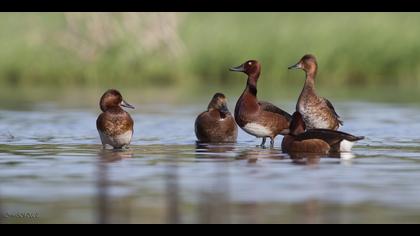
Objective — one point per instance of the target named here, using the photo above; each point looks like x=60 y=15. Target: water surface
x=52 y=166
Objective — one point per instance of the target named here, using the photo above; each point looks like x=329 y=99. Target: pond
x=52 y=170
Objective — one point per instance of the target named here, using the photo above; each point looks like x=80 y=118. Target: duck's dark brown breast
x=114 y=122
x=246 y=109
x=332 y=137
x=212 y=127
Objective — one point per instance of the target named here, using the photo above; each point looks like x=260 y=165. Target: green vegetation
x=195 y=50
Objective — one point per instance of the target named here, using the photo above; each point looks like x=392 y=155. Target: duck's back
x=332 y=137
x=212 y=127
x=291 y=145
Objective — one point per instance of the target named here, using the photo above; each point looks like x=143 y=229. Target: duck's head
x=297 y=126
x=250 y=67
x=113 y=98
x=307 y=63
x=219 y=102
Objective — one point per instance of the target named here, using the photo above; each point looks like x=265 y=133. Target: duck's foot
x=262 y=145
x=122 y=148
x=271 y=143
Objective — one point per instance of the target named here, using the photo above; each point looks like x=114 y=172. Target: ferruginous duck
x=320 y=141
x=258 y=118
x=317 y=112
x=115 y=126
x=216 y=125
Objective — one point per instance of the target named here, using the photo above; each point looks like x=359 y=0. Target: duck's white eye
x=249 y=63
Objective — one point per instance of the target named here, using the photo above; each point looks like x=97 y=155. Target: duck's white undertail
x=346 y=146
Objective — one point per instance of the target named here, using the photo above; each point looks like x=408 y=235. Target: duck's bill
x=296 y=66
x=238 y=68
x=224 y=109
x=125 y=104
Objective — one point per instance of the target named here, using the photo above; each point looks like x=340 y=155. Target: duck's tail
x=353 y=138
x=340 y=121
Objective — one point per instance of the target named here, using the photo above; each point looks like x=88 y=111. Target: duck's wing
x=329 y=104
x=266 y=106
x=330 y=136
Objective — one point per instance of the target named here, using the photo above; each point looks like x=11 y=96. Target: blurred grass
x=357 y=52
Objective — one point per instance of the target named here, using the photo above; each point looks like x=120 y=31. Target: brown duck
x=257 y=118
x=216 y=125
x=322 y=141
x=115 y=126
x=317 y=111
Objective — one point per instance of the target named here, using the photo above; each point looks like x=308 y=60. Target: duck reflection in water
x=103 y=183
x=313 y=159
x=1 y=211
x=214 y=194
x=113 y=155
x=214 y=151
x=305 y=159
x=172 y=189
x=253 y=155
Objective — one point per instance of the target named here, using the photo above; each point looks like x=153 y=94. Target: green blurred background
x=176 y=56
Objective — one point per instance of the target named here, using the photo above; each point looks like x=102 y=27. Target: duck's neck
x=297 y=130
x=310 y=78
x=251 y=85
x=248 y=101
x=297 y=126
x=308 y=90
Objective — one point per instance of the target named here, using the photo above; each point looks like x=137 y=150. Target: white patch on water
x=346 y=157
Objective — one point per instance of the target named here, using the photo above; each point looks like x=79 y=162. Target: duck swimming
x=322 y=141
x=115 y=126
x=216 y=125
x=317 y=112
x=257 y=118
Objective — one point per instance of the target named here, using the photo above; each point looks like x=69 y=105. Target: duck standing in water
x=216 y=125
x=257 y=118
x=317 y=112
x=115 y=126
x=322 y=141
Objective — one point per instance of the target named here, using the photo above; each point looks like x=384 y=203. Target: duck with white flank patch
x=322 y=141
x=257 y=118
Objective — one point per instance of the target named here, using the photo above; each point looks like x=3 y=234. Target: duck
x=115 y=126
x=216 y=125
x=258 y=118
x=317 y=112
x=319 y=141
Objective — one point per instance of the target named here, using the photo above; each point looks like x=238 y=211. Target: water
x=53 y=170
